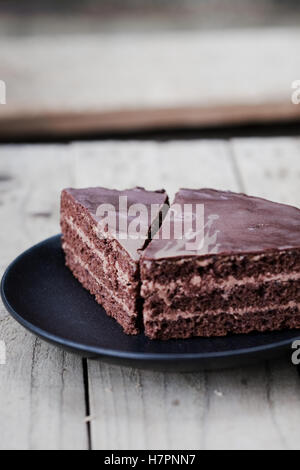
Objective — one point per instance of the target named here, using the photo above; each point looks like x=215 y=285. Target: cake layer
x=128 y=294
x=178 y=324
x=235 y=269
x=87 y=202
x=195 y=287
x=100 y=257
x=120 y=310
x=121 y=281
x=251 y=294
x=215 y=269
x=82 y=221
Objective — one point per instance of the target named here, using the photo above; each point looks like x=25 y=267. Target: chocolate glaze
x=91 y=198
x=234 y=224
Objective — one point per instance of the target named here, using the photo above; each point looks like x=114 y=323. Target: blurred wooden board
x=78 y=84
x=94 y=16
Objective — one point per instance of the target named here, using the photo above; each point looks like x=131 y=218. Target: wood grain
x=154 y=165
x=132 y=409
x=267 y=168
x=73 y=84
x=270 y=168
x=247 y=408
x=42 y=393
x=42 y=403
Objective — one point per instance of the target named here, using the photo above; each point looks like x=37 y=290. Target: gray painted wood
x=42 y=404
x=42 y=394
x=233 y=409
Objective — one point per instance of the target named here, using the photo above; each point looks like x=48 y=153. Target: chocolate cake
x=101 y=252
x=242 y=276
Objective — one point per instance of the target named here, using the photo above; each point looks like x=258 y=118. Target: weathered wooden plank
x=251 y=408
x=255 y=407
x=42 y=401
x=262 y=409
x=138 y=409
x=138 y=81
x=270 y=168
x=171 y=165
x=31 y=178
x=133 y=409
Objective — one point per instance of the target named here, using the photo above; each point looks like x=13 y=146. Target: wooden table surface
x=53 y=399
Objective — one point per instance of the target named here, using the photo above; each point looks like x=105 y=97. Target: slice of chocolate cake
x=103 y=232
x=237 y=272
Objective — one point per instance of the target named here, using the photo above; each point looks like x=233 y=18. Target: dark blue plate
x=42 y=294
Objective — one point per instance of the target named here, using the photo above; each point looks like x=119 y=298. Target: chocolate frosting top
x=233 y=223
x=93 y=198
